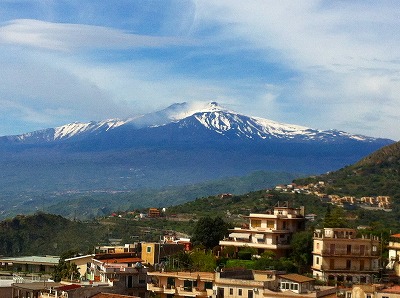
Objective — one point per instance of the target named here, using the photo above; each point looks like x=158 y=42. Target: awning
x=239 y=235
x=259 y=236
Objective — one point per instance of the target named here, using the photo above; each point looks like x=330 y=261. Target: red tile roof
x=296 y=277
x=68 y=287
x=394 y=289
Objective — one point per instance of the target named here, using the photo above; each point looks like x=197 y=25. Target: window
x=230 y=291
x=374 y=248
x=332 y=264
x=270 y=224
x=170 y=282
x=348 y=264
x=188 y=285
x=256 y=223
x=317 y=260
x=208 y=285
x=240 y=292
x=130 y=282
x=348 y=295
x=148 y=249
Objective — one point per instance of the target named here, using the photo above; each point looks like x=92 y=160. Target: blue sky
x=321 y=64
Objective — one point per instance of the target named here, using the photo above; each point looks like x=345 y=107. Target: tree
x=66 y=270
x=302 y=245
x=335 y=218
x=209 y=231
x=203 y=261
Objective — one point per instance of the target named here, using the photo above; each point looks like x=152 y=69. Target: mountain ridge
x=211 y=116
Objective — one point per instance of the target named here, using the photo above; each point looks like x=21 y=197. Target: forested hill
x=376 y=174
x=43 y=234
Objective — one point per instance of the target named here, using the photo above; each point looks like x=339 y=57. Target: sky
x=321 y=64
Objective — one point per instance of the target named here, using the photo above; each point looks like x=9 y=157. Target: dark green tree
x=335 y=218
x=209 y=231
x=302 y=245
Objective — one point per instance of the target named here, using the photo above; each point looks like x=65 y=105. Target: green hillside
x=376 y=174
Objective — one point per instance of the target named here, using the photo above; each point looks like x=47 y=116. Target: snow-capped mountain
x=183 y=144
x=210 y=116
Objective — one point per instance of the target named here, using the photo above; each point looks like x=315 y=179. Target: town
x=345 y=263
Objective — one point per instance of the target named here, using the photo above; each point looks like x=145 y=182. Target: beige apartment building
x=181 y=284
x=269 y=231
x=394 y=254
x=339 y=255
x=235 y=284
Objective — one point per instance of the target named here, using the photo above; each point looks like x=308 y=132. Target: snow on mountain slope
x=210 y=115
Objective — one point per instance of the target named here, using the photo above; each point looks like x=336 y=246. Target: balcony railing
x=167 y=289
x=348 y=269
x=191 y=292
x=284 y=245
x=353 y=252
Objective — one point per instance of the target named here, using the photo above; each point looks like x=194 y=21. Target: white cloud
x=67 y=37
x=345 y=55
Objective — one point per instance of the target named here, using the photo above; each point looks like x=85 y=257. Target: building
x=32 y=264
x=31 y=290
x=109 y=249
x=235 y=283
x=340 y=256
x=124 y=273
x=371 y=291
x=6 y=286
x=181 y=284
x=394 y=254
x=270 y=231
x=154 y=213
x=119 y=273
x=241 y=283
x=82 y=263
x=155 y=252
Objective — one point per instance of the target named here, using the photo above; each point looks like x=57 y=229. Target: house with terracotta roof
x=123 y=272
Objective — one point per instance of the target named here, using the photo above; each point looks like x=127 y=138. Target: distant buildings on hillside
x=317 y=189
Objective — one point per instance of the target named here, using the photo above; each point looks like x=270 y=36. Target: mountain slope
x=376 y=174
x=181 y=145
x=211 y=116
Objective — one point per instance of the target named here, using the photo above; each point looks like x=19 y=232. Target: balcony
x=161 y=289
x=191 y=292
x=281 y=245
x=351 y=253
x=394 y=245
x=354 y=269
